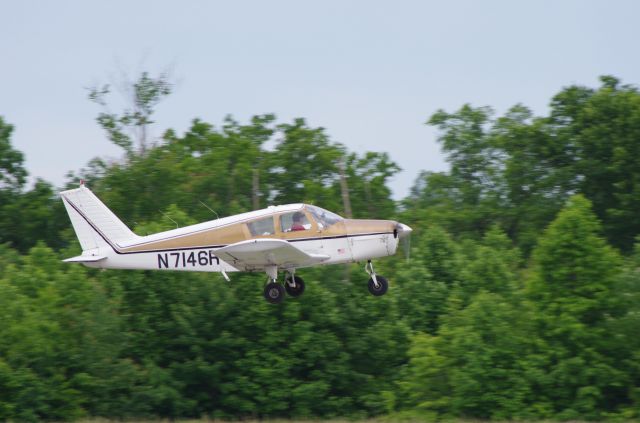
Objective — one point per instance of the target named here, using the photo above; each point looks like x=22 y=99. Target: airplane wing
x=256 y=254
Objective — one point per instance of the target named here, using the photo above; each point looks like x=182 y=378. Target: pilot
x=296 y=225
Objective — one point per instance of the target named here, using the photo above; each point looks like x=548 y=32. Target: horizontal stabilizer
x=84 y=259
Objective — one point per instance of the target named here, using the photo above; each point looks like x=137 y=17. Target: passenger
x=296 y=225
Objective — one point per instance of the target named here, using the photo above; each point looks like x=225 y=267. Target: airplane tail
x=95 y=225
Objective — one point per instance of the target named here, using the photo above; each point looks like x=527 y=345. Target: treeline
x=521 y=299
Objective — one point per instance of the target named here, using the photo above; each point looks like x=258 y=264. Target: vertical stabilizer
x=95 y=225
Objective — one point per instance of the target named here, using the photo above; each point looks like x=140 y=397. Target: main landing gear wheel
x=379 y=288
x=274 y=292
x=294 y=286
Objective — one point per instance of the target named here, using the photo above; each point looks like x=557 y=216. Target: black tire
x=294 y=291
x=382 y=288
x=274 y=293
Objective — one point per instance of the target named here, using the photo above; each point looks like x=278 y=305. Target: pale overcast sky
x=370 y=72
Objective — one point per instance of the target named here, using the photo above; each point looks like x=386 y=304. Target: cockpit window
x=325 y=218
x=262 y=227
x=296 y=221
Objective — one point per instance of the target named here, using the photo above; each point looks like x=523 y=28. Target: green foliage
x=574 y=265
x=518 y=170
x=513 y=305
x=367 y=178
x=12 y=172
x=35 y=215
x=475 y=367
x=555 y=348
x=424 y=283
x=493 y=266
x=25 y=217
x=573 y=289
x=59 y=340
x=308 y=161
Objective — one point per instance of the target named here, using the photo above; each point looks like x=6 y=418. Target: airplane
x=287 y=238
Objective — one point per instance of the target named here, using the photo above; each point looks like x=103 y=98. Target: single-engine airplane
x=277 y=238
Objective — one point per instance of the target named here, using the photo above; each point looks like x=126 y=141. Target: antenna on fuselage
x=210 y=209
x=169 y=217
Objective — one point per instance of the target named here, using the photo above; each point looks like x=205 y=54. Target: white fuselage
x=343 y=249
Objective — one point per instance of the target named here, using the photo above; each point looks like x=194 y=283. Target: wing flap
x=258 y=253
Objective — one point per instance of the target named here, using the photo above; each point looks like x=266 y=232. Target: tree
x=518 y=170
x=305 y=166
x=25 y=217
x=469 y=330
x=602 y=128
x=12 y=173
x=60 y=344
x=12 y=179
x=367 y=178
x=141 y=96
x=32 y=216
x=573 y=291
x=535 y=176
x=473 y=158
x=491 y=265
x=475 y=367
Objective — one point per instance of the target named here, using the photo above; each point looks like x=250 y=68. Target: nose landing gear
x=378 y=285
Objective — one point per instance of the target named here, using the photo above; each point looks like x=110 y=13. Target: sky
x=370 y=72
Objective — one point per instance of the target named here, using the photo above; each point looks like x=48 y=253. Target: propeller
x=404 y=234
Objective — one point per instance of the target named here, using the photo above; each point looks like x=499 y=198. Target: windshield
x=324 y=217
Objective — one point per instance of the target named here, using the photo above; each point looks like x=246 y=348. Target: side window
x=262 y=227
x=296 y=221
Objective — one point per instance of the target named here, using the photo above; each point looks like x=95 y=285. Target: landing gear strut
x=378 y=285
